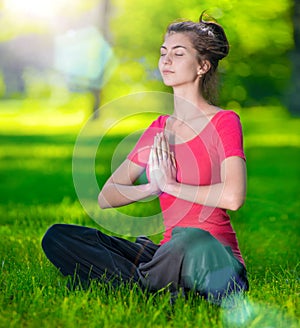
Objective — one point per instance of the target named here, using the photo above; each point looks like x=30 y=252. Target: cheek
x=193 y=66
x=160 y=62
x=187 y=69
x=192 y=70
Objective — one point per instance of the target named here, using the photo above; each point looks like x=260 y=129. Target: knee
x=51 y=236
x=188 y=239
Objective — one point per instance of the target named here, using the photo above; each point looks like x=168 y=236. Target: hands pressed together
x=162 y=165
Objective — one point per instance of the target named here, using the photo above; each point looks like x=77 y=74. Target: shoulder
x=224 y=114
x=227 y=118
x=160 y=121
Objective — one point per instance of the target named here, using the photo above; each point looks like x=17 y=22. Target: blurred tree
x=294 y=94
x=258 y=67
x=104 y=28
x=84 y=53
x=16 y=56
x=54 y=35
x=260 y=34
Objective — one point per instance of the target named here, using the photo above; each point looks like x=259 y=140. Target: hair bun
x=220 y=45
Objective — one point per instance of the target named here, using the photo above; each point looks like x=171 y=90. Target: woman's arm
x=229 y=193
x=119 y=190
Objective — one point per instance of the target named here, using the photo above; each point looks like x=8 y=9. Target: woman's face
x=178 y=62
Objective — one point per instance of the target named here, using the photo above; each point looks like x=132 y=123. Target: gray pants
x=192 y=260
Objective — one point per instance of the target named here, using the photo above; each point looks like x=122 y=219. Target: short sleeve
x=140 y=153
x=230 y=135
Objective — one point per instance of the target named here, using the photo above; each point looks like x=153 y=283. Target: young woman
x=195 y=164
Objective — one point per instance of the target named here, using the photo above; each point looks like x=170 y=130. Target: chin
x=168 y=83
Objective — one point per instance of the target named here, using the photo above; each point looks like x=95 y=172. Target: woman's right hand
x=153 y=185
x=162 y=164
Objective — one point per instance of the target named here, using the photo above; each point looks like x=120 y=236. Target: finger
x=155 y=141
x=159 y=151
x=165 y=143
x=150 y=159
x=154 y=148
x=173 y=160
x=154 y=159
x=164 y=146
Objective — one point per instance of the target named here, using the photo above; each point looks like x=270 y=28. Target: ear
x=204 y=67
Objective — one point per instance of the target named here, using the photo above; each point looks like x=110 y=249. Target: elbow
x=102 y=202
x=235 y=202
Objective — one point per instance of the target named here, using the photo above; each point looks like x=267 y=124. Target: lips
x=166 y=72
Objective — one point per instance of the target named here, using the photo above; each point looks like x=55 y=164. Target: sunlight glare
x=36 y=8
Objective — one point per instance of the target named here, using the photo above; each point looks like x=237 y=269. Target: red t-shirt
x=198 y=163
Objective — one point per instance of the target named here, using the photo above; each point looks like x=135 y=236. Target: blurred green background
x=53 y=51
x=61 y=60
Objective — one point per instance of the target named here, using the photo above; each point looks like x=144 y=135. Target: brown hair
x=210 y=42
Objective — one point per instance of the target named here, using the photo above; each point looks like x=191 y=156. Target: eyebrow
x=175 y=47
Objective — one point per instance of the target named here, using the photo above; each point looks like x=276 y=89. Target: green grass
x=37 y=190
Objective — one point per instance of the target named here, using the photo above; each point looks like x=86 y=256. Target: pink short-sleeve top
x=198 y=162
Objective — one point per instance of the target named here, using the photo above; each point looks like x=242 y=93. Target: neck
x=189 y=104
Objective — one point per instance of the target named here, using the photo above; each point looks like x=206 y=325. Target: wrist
x=149 y=189
x=172 y=188
x=145 y=188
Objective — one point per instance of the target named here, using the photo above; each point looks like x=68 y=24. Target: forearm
x=116 y=195
x=229 y=193
x=215 y=195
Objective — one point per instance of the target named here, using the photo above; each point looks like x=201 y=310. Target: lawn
x=37 y=190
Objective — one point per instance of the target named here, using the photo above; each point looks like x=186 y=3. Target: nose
x=167 y=58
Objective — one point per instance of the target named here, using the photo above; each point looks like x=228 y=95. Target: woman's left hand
x=162 y=164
